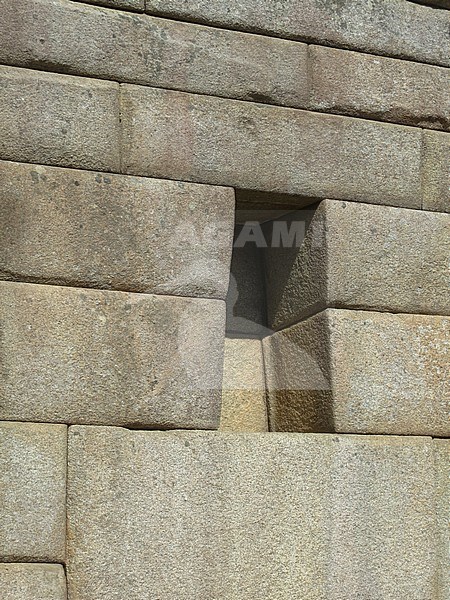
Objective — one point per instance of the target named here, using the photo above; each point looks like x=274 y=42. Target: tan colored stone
x=212 y=515
x=33 y=460
x=83 y=40
x=395 y=27
x=90 y=229
x=32 y=582
x=436 y=171
x=359 y=256
x=244 y=387
x=360 y=372
x=59 y=120
x=374 y=87
x=246 y=145
x=442 y=469
x=110 y=358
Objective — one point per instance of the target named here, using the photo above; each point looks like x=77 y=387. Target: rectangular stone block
x=89 y=229
x=110 y=358
x=356 y=256
x=360 y=372
x=226 y=142
x=33 y=461
x=59 y=120
x=373 y=87
x=436 y=171
x=395 y=28
x=442 y=469
x=86 y=40
x=244 y=387
x=32 y=582
x=280 y=516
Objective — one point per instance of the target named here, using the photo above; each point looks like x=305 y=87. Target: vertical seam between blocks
x=120 y=112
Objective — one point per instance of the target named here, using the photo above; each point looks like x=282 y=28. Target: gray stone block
x=394 y=28
x=226 y=142
x=249 y=516
x=373 y=87
x=33 y=461
x=32 y=582
x=83 y=40
x=58 y=119
x=360 y=256
x=90 y=229
x=442 y=469
x=244 y=387
x=110 y=358
x=360 y=372
x=436 y=171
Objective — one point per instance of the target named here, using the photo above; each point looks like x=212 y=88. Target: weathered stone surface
x=374 y=87
x=137 y=5
x=226 y=142
x=436 y=171
x=360 y=256
x=244 y=387
x=395 y=28
x=32 y=582
x=281 y=516
x=33 y=460
x=442 y=469
x=84 y=40
x=58 y=119
x=92 y=229
x=360 y=372
x=96 y=357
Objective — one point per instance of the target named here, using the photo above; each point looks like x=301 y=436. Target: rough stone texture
x=244 y=387
x=392 y=27
x=137 y=5
x=360 y=372
x=32 y=582
x=131 y=48
x=91 y=229
x=96 y=357
x=375 y=87
x=214 y=515
x=442 y=468
x=361 y=256
x=58 y=119
x=436 y=171
x=226 y=142
x=33 y=460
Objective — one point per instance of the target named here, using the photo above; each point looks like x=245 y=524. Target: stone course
x=110 y=358
x=32 y=582
x=117 y=232
x=436 y=171
x=360 y=372
x=33 y=461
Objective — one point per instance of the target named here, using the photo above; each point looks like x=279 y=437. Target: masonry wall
x=184 y=418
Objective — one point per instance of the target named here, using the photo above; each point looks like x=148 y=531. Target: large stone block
x=226 y=142
x=92 y=229
x=249 y=516
x=89 y=356
x=32 y=582
x=442 y=467
x=244 y=387
x=394 y=27
x=374 y=87
x=84 y=40
x=33 y=461
x=59 y=119
x=359 y=256
x=360 y=372
x=436 y=171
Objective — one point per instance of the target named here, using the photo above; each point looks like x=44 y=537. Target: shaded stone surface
x=357 y=255
x=273 y=149
x=116 y=358
x=91 y=229
x=137 y=5
x=436 y=171
x=32 y=582
x=33 y=461
x=442 y=469
x=360 y=372
x=214 y=515
x=58 y=119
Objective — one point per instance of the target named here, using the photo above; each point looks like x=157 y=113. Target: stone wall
x=185 y=416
